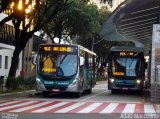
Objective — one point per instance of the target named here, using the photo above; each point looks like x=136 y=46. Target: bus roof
x=81 y=47
x=126 y=48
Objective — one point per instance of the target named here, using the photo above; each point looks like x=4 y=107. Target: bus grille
x=124 y=85
x=54 y=87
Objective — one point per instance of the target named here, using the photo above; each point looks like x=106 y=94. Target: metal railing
x=156 y=73
x=156 y=85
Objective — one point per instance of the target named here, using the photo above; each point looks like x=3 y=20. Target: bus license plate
x=55 y=90
x=125 y=88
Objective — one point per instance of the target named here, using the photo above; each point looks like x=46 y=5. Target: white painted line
x=129 y=108
x=149 y=109
x=8 y=103
x=110 y=108
x=50 y=107
x=31 y=107
x=90 y=108
x=69 y=108
x=17 y=105
x=93 y=96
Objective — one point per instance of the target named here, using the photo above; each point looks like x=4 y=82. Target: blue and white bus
x=65 y=68
x=126 y=68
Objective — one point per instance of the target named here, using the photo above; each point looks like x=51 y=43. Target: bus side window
x=86 y=61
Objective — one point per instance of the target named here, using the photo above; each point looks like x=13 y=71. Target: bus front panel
x=57 y=71
x=125 y=73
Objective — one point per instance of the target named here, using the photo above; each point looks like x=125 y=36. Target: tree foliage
x=102 y=47
x=80 y=19
x=65 y=14
x=26 y=23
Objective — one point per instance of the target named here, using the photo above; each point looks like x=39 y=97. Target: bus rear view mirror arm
x=34 y=59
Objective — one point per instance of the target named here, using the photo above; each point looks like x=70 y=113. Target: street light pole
x=93 y=43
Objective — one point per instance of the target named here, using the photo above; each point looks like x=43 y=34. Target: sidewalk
x=15 y=93
x=101 y=82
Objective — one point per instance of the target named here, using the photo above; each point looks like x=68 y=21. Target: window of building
x=6 y=62
x=0 y=61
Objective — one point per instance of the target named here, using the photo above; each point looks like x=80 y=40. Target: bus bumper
x=73 y=87
x=125 y=85
x=40 y=86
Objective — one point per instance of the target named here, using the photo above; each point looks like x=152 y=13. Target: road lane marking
x=30 y=107
x=69 y=108
x=17 y=105
x=50 y=107
x=119 y=108
x=100 y=108
x=8 y=103
x=129 y=108
x=110 y=108
x=90 y=108
x=149 y=108
x=43 y=106
x=80 y=107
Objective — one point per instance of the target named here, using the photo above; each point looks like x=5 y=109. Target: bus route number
x=126 y=53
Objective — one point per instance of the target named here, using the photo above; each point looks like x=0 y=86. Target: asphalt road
x=99 y=94
x=61 y=116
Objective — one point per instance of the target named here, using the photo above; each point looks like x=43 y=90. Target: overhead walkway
x=133 y=21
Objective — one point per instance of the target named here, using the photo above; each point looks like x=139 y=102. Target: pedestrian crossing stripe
x=32 y=106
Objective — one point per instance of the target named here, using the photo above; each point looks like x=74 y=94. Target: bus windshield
x=57 y=64
x=126 y=66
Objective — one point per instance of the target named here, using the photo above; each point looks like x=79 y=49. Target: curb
x=7 y=94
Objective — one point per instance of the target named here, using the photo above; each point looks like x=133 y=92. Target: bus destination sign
x=57 y=49
x=126 y=53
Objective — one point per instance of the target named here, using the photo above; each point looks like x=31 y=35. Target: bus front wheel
x=89 y=91
x=45 y=94
x=78 y=94
x=113 y=91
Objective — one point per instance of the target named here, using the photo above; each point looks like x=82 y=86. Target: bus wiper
x=63 y=59
x=130 y=64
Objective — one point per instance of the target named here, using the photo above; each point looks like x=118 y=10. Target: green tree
x=104 y=14
x=102 y=48
x=80 y=19
x=26 y=23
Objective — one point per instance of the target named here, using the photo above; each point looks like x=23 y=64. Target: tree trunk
x=14 y=63
x=20 y=45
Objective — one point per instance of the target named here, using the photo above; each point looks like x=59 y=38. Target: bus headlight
x=74 y=82
x=38 y=81
x=112 y=80
x=138 y=81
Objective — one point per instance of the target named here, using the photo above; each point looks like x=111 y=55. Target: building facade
x=7 y=49
x=115 y=4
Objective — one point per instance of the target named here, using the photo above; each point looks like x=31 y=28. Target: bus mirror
x=34 y=59
x=81 y=61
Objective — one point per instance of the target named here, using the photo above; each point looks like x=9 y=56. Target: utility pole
x=93 y=43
